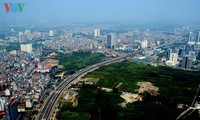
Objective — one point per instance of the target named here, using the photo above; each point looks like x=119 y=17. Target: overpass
x=51 y=102
x=194 y=107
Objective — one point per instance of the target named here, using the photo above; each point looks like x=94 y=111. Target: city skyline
x=100 y=59
x=106 y=11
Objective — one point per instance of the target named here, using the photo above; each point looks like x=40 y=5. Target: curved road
x=47 y=110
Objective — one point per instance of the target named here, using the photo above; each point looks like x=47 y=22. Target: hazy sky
x=92 y=11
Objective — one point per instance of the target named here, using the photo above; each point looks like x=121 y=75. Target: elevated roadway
x=51 y=102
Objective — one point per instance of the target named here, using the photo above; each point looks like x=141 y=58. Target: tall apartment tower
x=187 y=62
x=169 y=51
x=51 y=33
x=97 y=32
x=11 y=110
x=174 y=58
x=26 y=47
x=144 y=44
x=111 y=41
x=198 y=37
x=190 y=38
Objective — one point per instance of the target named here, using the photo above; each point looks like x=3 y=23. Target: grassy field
x=175 y=87
x=176 y=84
x=79 y=60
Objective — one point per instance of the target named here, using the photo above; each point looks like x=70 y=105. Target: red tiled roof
x=46 y=66
x=37 y=74
x=21 y=105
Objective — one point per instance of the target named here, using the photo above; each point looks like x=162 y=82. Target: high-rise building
x=157 y=42
x=97 y=33
x=111 y=41
x=28 y=103
x=144 y=44
x=27 y=32
x=198 y=37
x=51 y=33
x=21 y=37
x=169 y=51
x=11 y=110
x=189 y=48
x=192 y=55
x=20 y=33
x=180 y=52
x=3 y=100
x=174 y=58
x=187 y=62
x=26 y=47
x=7 y=92
x=190 y=38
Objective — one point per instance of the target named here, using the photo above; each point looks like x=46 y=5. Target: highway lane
x=192 y=108
x=196 y=98
x=49 y=103
x=49 y=100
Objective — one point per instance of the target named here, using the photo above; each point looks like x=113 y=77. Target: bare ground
x=148 y=87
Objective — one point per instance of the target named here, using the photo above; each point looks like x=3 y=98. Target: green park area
x=78 y=60
x=175 y=87
x=176 y=84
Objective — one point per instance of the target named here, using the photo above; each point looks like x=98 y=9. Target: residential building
x=192 y=55
x=144 y=44
x=190 y=38
x=198 y=38
x=3 y=100
x=51 y=33
x=11 y=110
x=43 y=67
x=187 y=62
x=169 y=51
x=174 y=58
x=189 y=48
x=26 y=47
x=111 y=41
x=97 y=33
